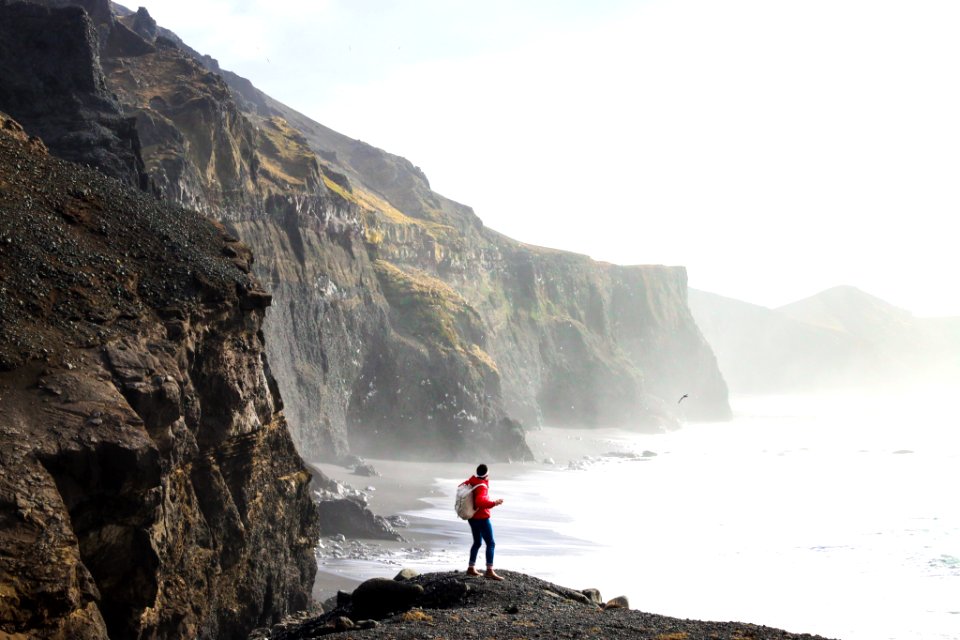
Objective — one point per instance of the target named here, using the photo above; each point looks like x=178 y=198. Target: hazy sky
x=774 y=148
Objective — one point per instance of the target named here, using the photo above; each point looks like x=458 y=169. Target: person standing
x=480 y=523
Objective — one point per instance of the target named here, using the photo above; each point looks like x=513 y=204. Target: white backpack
x=464 y=501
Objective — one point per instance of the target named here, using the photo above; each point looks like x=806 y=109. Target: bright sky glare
x=774 y=147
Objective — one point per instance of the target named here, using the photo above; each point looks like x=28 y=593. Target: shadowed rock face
x=52 y=84
x=353 y=520
x=379 y=597
x=148 y=484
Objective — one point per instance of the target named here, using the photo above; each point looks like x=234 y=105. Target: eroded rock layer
x=148 y=484
x=53 y=85
x=455 y=327
x=354 y=371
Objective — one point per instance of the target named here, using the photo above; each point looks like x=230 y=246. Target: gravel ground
x=83 y=256
x=452 y=605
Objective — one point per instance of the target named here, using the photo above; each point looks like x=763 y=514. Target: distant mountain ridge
x=839 y=338
x=851 y=310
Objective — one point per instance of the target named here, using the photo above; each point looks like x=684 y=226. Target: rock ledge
x=452 y=605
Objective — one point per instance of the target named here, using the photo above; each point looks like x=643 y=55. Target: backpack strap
x=466 y=482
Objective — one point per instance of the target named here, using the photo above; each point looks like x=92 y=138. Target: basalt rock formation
x=342 y=355
x=401 y=326
x=53 y=85
x=452 y=605
x=148 y=484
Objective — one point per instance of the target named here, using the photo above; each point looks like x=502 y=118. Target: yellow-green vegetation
x=416 y=615
x=283 y=153
x=428 y=309
x=428 y=306
x=481 y=357
x=370 y=203
x=378 y=213
x=372 y=236
x=179 y=93
x=167 y=75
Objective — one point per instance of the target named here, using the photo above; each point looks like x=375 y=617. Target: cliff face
x=400 y=324
x=470 y=326
x=619 y=341
x=53 y=85
x=148 y=484
x=344 y=356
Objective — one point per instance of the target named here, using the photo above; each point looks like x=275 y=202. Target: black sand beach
x=402 y=486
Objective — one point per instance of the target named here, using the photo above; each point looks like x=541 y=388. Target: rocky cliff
x=148 y=484
x=573 y=341
x=60 y=95
x=343 y=357
x=642 y=348
x=401 y=324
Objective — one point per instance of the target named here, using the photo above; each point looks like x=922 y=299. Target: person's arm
x=482 y=501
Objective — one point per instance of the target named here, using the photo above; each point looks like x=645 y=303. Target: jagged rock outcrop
x=352 y=519
x=52 y=84
x=148 y=484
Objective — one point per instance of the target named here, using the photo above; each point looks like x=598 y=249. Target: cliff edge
x=452 y=605
x=148 y=483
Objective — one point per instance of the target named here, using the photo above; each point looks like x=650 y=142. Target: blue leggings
x=482 y=530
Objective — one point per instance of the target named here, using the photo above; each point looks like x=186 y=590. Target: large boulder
x=380 y=597
x=353 y=520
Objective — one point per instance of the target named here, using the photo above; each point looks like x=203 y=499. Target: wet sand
x=403 y=488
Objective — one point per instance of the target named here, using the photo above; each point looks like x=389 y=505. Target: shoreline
x=732 y=521
x=406 y=487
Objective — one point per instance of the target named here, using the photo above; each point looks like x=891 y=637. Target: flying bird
x=686 y=395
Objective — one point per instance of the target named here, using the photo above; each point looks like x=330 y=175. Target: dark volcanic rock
x=365 y=469
x=353 y=520
x=455 y=606
x=52 y=83
x=148 y=483
x=380 y=597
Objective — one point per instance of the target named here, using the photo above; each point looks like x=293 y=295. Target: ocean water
x=837 y=515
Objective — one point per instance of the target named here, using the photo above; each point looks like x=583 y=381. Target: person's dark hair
x=481 y=470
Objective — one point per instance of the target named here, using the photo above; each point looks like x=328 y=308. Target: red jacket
x=481 y=500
